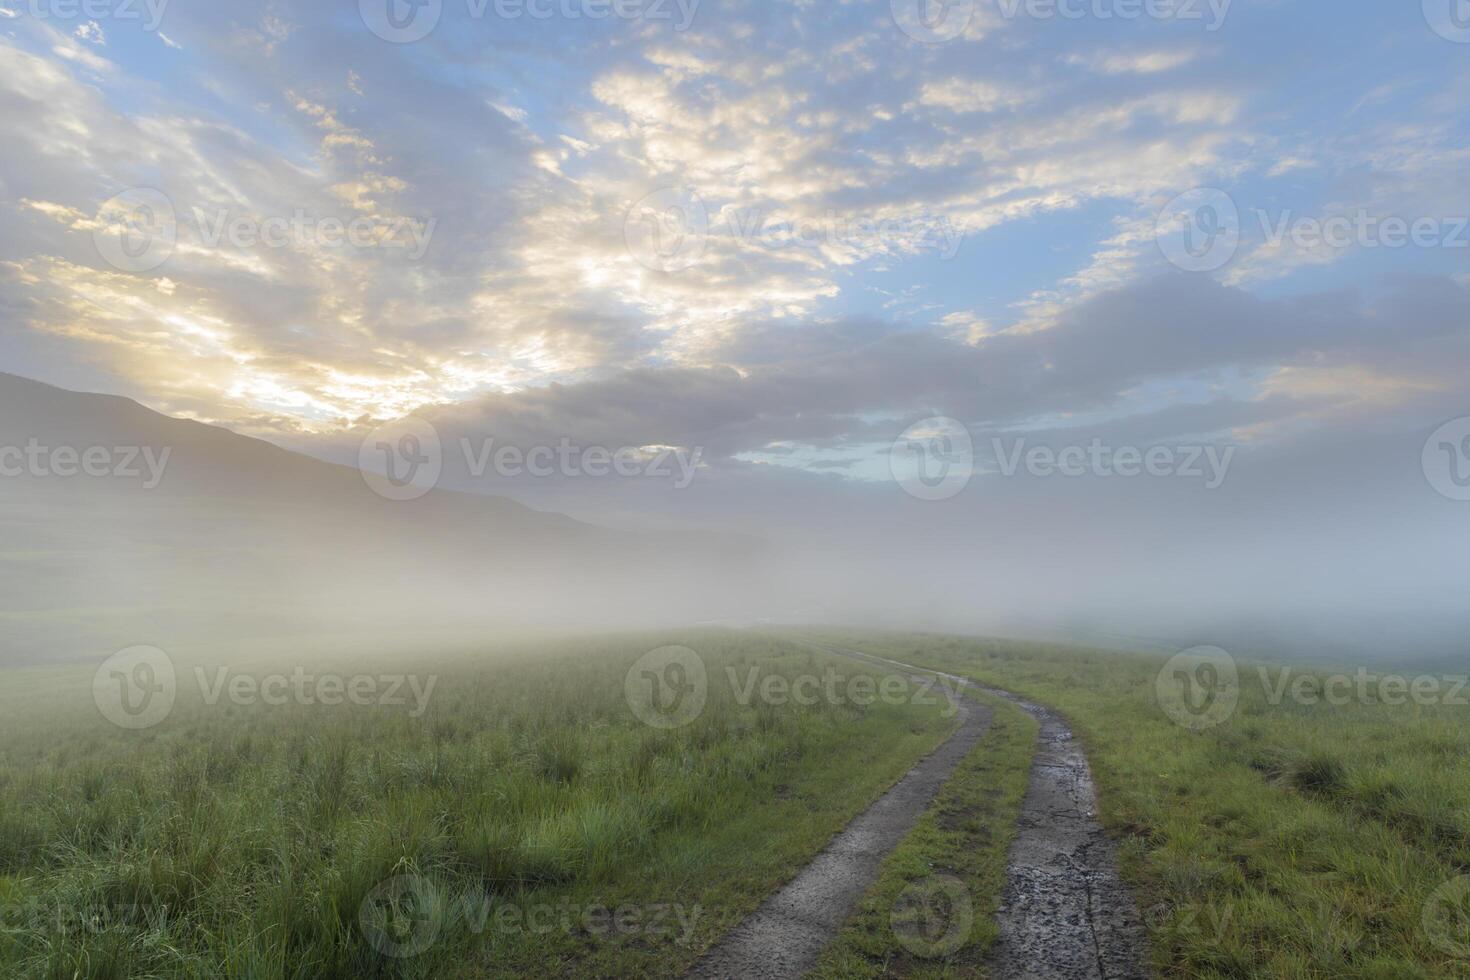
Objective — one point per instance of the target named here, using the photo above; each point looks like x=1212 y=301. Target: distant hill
x=243 y=538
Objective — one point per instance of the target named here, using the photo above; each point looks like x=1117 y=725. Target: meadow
x=1312 y=833
x=513 y=814
x=525 y=823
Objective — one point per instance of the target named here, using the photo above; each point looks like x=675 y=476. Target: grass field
x=525 y=823
x=523 y=820
x=1304 y=836
x=931 y=913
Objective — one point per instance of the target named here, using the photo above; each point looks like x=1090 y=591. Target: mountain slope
x=207 y=536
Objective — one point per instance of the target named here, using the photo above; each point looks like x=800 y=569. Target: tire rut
x=784 y=937
x=1065 y=913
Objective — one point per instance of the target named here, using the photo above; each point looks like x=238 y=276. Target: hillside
x=205 y=533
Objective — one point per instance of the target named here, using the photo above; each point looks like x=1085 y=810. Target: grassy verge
x=1299 y=838
x=525 y=823
x=931 y=913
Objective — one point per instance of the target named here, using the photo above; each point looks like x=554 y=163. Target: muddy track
x=1065 y=913
x=784 y=937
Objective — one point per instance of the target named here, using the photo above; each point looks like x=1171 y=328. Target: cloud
x=803 y=131
x=91 y=32
x=1135 y=63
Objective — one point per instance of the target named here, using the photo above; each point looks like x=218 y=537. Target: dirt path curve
x=784 y=937
x=1065 y=913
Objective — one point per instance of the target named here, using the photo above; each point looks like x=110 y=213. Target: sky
x=780 y=232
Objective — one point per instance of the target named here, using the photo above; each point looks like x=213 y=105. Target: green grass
x=910 y=924
x=1292 y=841
x=532 y=814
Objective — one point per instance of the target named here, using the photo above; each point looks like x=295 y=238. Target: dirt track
x=784 y=937
x=1065 y=913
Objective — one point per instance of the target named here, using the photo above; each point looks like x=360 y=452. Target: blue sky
x=550 y=167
